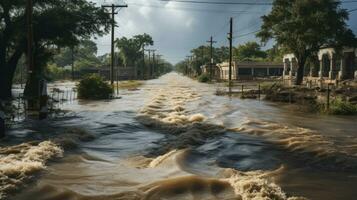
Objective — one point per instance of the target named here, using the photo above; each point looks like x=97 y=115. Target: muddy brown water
x=174 y=139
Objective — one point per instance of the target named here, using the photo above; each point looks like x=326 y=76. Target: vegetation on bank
x=131 y=84
x=94 y=87
x=204 y=78
x=314 y=99
x=341 y=107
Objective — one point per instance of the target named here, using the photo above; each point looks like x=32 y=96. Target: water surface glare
x=174 y=139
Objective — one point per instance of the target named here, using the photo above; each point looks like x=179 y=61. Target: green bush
x=204 y=78
x=340 y=107
x=94 y=87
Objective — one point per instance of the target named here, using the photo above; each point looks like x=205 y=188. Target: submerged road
x=174 y=139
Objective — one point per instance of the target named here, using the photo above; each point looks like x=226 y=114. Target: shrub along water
x=340 y=107
x=94 y=87
x=204 y=78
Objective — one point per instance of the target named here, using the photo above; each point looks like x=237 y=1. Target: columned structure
x=290 y=67
x=333 y=66
x=327 y=59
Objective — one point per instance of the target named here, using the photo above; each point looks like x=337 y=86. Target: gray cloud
x=177 y=28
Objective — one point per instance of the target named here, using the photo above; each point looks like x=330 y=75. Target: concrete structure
x=333 y=66
x=249 y=70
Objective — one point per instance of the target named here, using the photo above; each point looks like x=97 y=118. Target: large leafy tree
x=58 y=23
x=304 y=26
x=249 y=51
x=202 y=56
x=131 y=48
x=84 y=54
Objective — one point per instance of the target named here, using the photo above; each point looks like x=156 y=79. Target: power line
x=246 y=34
x=234 y=3
x=218 y=2
x=194 y=9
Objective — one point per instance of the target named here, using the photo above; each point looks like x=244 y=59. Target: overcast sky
x=178 y=27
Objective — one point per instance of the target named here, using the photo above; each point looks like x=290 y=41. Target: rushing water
x=174 y=139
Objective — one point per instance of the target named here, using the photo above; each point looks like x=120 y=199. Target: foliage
x=131 y=50
x=204 y=78
x=249 y=51
x=84 y=55
x=202 y=55
x=59 y=23
x=340 y=107
x=53 y=73
x=304 y=26
x=94 y=87
x=275 y=54
x=130 y=84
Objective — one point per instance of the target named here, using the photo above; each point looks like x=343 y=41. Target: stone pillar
x=342 y=72
x=292 y=70
x=285 y=68
x=321 y=68
x=332 y=63
x=268 y=71
x=252 y=71
x=291 y=73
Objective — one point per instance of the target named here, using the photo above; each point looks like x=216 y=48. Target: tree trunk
x=2 y=121
x=5 y=86
x=300 y=72
x=6 y=76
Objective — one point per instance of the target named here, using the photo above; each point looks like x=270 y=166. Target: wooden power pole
x=211 y=55
x=151 y=64
x=230 y=38
x=29 y=10
x=158 y=64
x=113 y=12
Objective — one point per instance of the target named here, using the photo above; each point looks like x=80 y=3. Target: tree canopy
x=59 y=23
x=304 y=26
x=131 y=50
x=249 y=51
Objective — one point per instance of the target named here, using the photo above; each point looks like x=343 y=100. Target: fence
x=17 y=109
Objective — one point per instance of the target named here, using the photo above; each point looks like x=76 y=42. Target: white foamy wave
x=254 y=186
x=18 y=163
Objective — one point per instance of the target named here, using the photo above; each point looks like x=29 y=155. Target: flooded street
x=175 y=139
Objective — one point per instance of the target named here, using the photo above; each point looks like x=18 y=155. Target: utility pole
x=189 y=58
x=144 y=68
x=154 y=65
x=211 y=61
x=151 y=63
x=158 y=71
x=113 y=13
x=29 y=9
x=230 y=38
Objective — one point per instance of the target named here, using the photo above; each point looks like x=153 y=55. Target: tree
x=57 y=23
x=85 y=50
x=202 y=56
x=304 y=26
x=249 y=51
x=131 y=49
x=275 y=54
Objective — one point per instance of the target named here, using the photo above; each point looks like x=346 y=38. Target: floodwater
x=174 y=139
